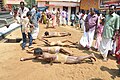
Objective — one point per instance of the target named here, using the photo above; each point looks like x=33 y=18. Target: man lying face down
x=55 y=34
x=38 y=53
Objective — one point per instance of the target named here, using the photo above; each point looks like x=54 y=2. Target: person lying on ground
x=40 y=55
x=55 y=34
x=52 y=50
x=60 y=43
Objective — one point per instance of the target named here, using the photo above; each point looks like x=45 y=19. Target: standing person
x=35 y=31
x=72 y=18
x=84 y=40
x=112 y=24
x=63 y=14
x=90 y=25
x=22 y=11
x=77 y=25
x=43 y=17
x=82 y=20
x=66 y=17
x=53 y=18
x=26 y=30
x=21 y=14
x=99 y=33
x=38 y=14
x=49 y=18
x=58 y=16
x=117 y=51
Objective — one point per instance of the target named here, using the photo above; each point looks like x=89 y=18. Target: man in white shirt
x=22 y=10
x=22 y=14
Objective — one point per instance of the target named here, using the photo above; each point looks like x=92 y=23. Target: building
x=103 y=4
x=87 y=4
x=1 y=5
x=12 y=3
x=30 y=2
x=98 y=4
x=69 y=5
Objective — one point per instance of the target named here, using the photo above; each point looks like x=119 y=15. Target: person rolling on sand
x=39 y=55
x=52 y=50
x=55 y=34
x=60 y=43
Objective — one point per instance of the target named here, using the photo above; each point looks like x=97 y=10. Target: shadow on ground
x=114 y=72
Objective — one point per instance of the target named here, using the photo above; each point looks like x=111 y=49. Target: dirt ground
x=11 y=68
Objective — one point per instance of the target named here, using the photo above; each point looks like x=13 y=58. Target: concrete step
x=4 y=30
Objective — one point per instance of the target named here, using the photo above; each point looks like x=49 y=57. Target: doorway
x=73 y=10
x=65 y=8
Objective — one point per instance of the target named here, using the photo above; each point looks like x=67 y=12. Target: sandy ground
x=11 y=68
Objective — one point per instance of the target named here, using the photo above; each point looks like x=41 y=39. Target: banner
x=106 y=3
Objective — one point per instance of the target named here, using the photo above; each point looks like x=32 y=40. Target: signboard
x=87 y=4
x=106 y=3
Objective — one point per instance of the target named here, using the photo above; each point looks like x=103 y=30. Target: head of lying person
x=38 y=52
x=46 y=33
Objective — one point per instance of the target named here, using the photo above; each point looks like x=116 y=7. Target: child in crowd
x=49 y=18
x=99 y=33
x=58 y=17
x=77 y=23
x=26 y=30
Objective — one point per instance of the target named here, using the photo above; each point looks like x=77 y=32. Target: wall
x=87 y=4
x=61 y=8
x=64 y=4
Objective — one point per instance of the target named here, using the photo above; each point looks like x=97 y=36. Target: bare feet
x=93 y=57
x=105 y=60
x=69 y=34
x=22 y=59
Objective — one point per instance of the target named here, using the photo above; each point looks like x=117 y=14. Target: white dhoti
x=84 y=40
x=35 y=32
x=87 y=38
x=90 y=36
x=63 y=20
x=105 y=46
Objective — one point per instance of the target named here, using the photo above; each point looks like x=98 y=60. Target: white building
x=70 y=5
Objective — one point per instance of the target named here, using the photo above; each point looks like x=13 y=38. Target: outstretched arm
x=66 y=52
x=30 y=51
x=67 y=41
x=62 y=34
x=24 y=59
x=74 y=43
x=45 y=41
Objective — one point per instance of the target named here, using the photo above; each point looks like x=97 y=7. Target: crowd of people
x=103 y=27
x=106 y=28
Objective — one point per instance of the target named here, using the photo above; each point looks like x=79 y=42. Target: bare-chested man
x=38 y=53
x=52 y=50
x=55 y=34
x=61 y=43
